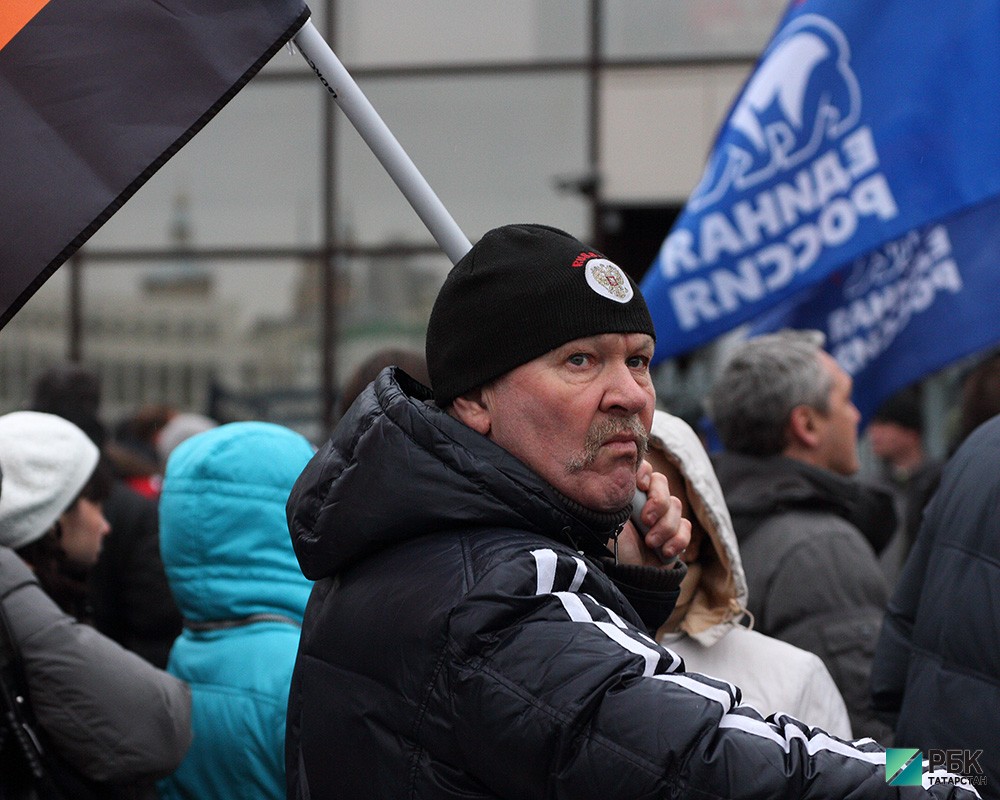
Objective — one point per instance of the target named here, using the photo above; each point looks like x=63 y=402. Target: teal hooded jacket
x=228 y=556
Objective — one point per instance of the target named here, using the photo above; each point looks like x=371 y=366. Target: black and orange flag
x=95 y=96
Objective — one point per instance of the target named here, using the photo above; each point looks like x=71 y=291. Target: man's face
x=579 y=416
x=892 y=442
x=838 y=427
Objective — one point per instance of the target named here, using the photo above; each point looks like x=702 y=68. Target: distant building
x=179 y=344
x=168 y=349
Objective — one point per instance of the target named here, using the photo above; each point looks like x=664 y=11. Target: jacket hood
x=398 y=467
x=223 y=534
x=721 y=594
x=757 y=488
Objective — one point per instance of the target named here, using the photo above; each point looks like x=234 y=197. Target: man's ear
x=472 y=409
x=803 y=432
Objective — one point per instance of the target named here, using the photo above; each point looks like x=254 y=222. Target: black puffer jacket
x=813 y=579
x=456 y=644
x=938 y=658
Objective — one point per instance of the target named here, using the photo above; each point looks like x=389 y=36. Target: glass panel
x=34 y=339
x=657 y=125
x=689 y=28
x=385 y=302
x=184 y=335
x=491 y=148
x=250 y=177
x=319 y=12
x=387 y=32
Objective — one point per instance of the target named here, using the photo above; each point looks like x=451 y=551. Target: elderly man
x=470 y=634
x=782 y=408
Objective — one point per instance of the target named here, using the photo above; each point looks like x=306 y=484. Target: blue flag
x=866 y=129
x=911 y=307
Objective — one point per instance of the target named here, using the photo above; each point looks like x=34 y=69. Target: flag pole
x=383 y=144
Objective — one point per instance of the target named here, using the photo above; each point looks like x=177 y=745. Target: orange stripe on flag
x=15 y=14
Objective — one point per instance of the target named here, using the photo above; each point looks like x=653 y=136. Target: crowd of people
x=455 y=596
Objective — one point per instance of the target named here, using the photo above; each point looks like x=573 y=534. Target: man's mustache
x=602 y=432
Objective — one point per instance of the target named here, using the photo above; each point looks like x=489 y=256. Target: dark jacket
x=128 y=590
x=813 y=578
x=938 y=658
x=457 y=644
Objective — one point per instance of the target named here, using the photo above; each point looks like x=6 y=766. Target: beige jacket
x=711 y=629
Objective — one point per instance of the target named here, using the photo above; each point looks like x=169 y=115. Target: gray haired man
x=782 y=408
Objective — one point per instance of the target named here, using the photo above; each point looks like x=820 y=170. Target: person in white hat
x=50 y=512
x=112 y=716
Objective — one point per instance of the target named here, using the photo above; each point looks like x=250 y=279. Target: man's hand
x=669 y=532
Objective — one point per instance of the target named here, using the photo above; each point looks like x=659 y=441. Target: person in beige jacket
x=710 y=627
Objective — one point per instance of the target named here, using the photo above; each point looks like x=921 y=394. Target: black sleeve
x=554 y=692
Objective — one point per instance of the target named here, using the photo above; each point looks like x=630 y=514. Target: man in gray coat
x=782 y=408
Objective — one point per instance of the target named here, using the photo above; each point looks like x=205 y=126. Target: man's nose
x=626 y=392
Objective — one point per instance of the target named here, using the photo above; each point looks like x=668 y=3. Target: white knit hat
x=46 y=462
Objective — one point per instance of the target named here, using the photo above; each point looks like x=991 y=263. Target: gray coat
x=814 y=580
x=110 y=713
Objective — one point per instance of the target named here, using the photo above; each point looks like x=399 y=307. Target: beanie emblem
x=607 y=279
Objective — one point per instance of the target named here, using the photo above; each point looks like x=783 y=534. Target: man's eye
x=577 y=359
x=638 y=362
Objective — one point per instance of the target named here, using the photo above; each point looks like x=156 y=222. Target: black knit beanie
x=521 y=291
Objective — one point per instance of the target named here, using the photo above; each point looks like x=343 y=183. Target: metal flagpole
x=383 y=144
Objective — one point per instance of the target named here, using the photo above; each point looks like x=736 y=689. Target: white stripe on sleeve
x=814 y=744
x=782 y=732
x=720 y=696
x=545 y=563
x=581 y=573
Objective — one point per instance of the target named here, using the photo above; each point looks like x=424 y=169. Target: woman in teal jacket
x=231 y=568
